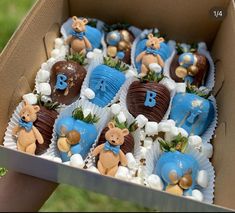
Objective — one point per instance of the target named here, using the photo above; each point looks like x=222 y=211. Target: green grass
x=65 y=198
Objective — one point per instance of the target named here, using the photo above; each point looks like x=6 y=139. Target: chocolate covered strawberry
x=149 y=98
x=66 y=79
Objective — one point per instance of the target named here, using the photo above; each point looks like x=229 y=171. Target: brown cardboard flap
x=22 y=87
x=220 y=78
x=50 y=37
x=182 y=20
x=224 y=49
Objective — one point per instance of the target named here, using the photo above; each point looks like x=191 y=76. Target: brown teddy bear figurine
x=26 y=132
x=78 y=41
x=150 y=55
x=110 y=153
x=66 y=140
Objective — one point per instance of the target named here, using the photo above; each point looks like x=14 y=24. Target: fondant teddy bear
x=110 y=154
x=67 y=139
x=78 y=41
x=27 y=133
x=151 y=54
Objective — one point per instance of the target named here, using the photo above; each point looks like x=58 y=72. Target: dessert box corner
x=82 y=178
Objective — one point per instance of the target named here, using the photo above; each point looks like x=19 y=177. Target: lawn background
x=65 y=198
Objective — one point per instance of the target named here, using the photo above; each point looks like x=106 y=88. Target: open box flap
x=224 y=144
x=179 y=19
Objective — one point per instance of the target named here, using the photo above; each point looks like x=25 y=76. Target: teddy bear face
x=29 y=112
x=154 y=42
x=115 y=136
x=79 y=25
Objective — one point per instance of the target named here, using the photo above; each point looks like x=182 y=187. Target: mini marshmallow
x=30 y=98
x=203 y=178
x=57 y=159
x=151 y=128
x=86 y=112
x=142 y=135
x=180 y=87
x=131 y=162
x=58 y=42
x=66 y=163
x=164 y=126
x=136 y=180
x=141 y=120
x=207 y=150
x=47 y=157
x=115 y=109
x=45 y=99
x=44 y=66
x=93 y=169
x=121 y=117
x=169 y=136
x=155 y=182
x=169 y=83
x=195 y=141
x=155 y=67
x=89 y=93
x=97 y=51
x=170 y=122
x=197 y=195
x=183 y=132
x=77 y=161
x=55 y=53
x=51 y=60
x=143 y=152
x=43 y=76
x=122 y=173
x=90 y=55
x=130 y=73
x=44 y=88
x=148 y=142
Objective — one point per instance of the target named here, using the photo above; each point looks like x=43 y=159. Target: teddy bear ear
x=85 y=21
x=111 y=125
x=125 y=132
x=74 y=18
x=150 y=35
x=25 y=103
x=161 y=39
x=36 y=108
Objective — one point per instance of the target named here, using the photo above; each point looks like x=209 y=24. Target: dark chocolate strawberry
x=44 y=123
x=66 y=81
x=148 y=98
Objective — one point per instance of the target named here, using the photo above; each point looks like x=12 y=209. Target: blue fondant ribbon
x=109 y=147
x=152 y=51
x=27 y=125
x=78 y=35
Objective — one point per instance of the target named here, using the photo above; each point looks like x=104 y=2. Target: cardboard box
x=185 y=21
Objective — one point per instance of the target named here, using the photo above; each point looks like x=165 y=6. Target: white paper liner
x=204 y=164
x=202 y=49
x=10 y=140
x=98 y=60
x=90 y=161
x=124 y=92
x=143 y=34
x=135 y=31
x=102 y=113
x=209 y=133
